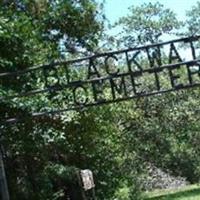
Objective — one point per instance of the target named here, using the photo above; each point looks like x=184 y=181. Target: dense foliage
x=116 y=141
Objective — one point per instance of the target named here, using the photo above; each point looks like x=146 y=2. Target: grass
x=191 y=192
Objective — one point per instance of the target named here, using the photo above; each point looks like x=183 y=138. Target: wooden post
x=4 y=194
x=93 y=194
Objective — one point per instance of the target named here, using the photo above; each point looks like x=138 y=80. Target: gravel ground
x=158 y=179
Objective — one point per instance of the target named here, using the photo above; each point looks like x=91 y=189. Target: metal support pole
x=4 y=194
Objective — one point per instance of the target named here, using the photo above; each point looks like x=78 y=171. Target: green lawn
x=187 y=193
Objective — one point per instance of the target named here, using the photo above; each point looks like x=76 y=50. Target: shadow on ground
x=180 y=194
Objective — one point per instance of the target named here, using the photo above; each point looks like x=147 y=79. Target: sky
x=118 y=8
x=114 y=9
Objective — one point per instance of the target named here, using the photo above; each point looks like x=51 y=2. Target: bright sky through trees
x=118 y=8
x=114 y=9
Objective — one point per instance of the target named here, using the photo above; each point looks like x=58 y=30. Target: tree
x=30 y=34
x=192 y=20
x=161 y=131
x=48 y=151
x=147 y=23
x=114 y=141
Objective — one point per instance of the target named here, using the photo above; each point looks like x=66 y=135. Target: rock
x=159 y=179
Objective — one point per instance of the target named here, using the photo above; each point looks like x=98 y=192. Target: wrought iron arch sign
x=113 y=76
x=106 y=78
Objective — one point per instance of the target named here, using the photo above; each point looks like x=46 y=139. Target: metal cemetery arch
x=96 y=75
